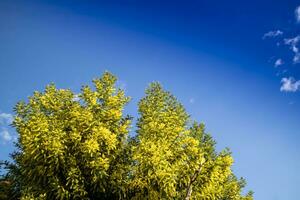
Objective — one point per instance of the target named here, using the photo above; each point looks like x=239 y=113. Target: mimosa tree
x=76 y=146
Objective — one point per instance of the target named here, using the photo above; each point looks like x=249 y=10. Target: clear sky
x=233 y=64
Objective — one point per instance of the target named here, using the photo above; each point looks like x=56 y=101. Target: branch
x=193 y=179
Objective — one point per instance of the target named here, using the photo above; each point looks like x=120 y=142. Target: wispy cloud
x=289 y=84
x=6 y=118
x=6 y=136
x=272 y=34
x=293 y=42
x=278 y=62
x=297 y=14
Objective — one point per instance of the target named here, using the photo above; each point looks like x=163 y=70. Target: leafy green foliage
x=77 y=147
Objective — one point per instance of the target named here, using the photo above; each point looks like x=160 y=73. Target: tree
x=68 y=146
x=175 y=160
x=5 y=184
x=78 y=147
x=9 y=185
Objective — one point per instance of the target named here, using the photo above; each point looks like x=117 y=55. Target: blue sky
x=233 y=64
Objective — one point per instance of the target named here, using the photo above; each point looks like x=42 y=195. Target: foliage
x=177 y=161
x=67 y=147
x=77 y=147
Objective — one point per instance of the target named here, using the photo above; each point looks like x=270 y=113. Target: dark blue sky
x=210 y=54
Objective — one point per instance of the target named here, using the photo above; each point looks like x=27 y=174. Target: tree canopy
x=78 y=146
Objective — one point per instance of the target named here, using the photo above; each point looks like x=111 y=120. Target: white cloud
x=6 y=136
x=278 y=62
x=289 y=85
x=272 y=34
x=297 y=14
x=293 y=42
x=6 y=119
